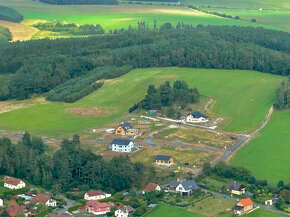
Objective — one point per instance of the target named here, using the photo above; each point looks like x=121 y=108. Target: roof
x=92 y=193
x=197 y=114
x=126 y=126
x=187 y=184
x=97 y=204
x=245 y=202
x=235 y=186
x=13 y=181
x=40 y=198
x=14 y=209
x=151 y=186
x=162 y=157
x=121 y=142
x=127 y=209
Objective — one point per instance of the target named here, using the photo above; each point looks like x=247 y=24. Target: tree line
x=283 y=95
x=71 y=28
x=40 y=66
x=10 y=14
x=5 y=34
x=69 y=167
x=81 y=2
x=171 y=98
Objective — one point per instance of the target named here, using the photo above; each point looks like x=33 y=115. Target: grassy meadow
x=268 y=155
x=165 y=210
x=243 y=101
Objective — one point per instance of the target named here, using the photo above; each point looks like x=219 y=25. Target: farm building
x=97 y=208
x=196 y=117
x=124 y=211
x=151 y=187
x=96 y=195
x=184 y=187
x=121 y=145
x=43 y=199
x=164 y=160
x=126 y=129
x=13 y=183
x=236 y=188
x=243 y=206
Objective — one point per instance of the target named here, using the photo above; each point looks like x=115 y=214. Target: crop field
x=243 y=100
x=277 y=18
x=212 y=206
x=268 y=155
x=19 y=31
x=165 y=210
x=116 y=16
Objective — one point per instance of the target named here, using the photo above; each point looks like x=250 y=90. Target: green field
x=242 y=98
x=165 y=210
x=268 y=155
x=257 y=213
x=277 y=18
x=117 y=16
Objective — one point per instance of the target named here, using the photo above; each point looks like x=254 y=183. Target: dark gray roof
x=162 y=157
x=189 y=185
x=121 y=142
x=235 y=186
x=174 y=183
x=126 y=126
x=197 y=114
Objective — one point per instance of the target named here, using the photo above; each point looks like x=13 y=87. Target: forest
x=71 y=28
x=81 y=2
x=57 y=67
x=10 y=14
x=5 y=34
x=283 y=96
x=168 y=98
x=70 y=167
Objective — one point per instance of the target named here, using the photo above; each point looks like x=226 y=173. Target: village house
x=243 y=206
x=164 y=160
x=124 y=211
x=184 y=187
x=151 y=187
x=96 y=195
x=97 y=208
x=126 y=129
x=121 y=145
x=43 y=199
x=196 y=117
x=15 y=209
x=1 y=202
x=13 y=183
x=236 y=188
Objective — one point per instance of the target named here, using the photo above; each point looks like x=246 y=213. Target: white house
x=13 y=183
x=44 y=199
x=196 y=117
x=236 y=188
x=184 y=187
x=96 y=195
x=1 y=202
x=269 y=202
x=121 y=145
x=151 y=187
x=124 y=212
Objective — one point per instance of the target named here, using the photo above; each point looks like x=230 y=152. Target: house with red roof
x=151 y=187
x=44 y=199
x=244 y=206
x=13 y=183
x=14 y=210
x=96 y=195
x=97 y=208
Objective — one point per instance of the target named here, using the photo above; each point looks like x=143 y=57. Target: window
x=180 y=188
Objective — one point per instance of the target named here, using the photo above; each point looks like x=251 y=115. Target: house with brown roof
x=96 y=195
x=13 y=183
x=44 y=199
x=124 y=211
x=152 y=187
x=97 y=208
x=243 y=206
x=15 y=209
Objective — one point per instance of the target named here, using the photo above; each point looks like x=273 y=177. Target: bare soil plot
x=88 y=111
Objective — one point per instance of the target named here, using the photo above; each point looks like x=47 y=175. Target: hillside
x=241 y=111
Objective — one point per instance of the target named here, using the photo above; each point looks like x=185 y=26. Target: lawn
x=277 y=18
x=243 y=100
x=165 y=210
x=116 y=16
x=212 y=206
x=268 y=155
x=256 y=213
